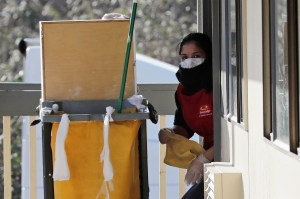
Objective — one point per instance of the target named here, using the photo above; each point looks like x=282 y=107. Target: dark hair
x=200 y=39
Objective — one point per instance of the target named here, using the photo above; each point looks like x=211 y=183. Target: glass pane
x=224 y=60
x=233 y=60
x=281 y=70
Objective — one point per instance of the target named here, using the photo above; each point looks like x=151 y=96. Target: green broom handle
x=130 y=33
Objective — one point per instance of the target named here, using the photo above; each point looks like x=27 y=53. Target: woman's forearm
x=209 y=154
x=180 y=131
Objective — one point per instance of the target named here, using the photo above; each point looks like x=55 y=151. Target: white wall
x=235 y=150
x=269 y=172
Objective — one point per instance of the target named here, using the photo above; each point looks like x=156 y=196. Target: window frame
x=227 y=104
x=269 y=63
x=293 y=74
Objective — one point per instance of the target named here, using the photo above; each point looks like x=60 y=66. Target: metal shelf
x=91 y=110
x=97 y=117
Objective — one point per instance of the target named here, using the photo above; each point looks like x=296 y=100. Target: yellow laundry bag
x=83 y=146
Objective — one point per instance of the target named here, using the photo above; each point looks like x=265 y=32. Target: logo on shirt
x=205 y=110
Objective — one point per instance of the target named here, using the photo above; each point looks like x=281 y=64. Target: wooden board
x=83 y=60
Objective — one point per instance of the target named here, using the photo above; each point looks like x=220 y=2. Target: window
x=232 y=59
x=279 y=69
x=232 y=70
x=281 y=73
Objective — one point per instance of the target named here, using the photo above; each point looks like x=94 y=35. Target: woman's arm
x=180 y=131
x=209 y=154
x=196 y=168
x=180 y=127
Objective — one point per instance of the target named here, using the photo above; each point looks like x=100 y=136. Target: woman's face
x=191 y=50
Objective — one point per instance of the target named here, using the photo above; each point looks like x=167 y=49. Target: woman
x=194 y=102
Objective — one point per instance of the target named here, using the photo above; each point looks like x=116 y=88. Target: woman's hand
x=195 y=170
x=162 y=136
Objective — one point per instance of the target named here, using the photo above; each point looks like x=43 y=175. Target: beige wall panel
x=83 y=60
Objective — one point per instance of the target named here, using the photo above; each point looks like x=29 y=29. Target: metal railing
x=21 y=99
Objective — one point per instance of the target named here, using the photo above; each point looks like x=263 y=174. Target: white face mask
x=191 y=62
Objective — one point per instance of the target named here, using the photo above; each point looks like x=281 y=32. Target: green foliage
x=160 y=24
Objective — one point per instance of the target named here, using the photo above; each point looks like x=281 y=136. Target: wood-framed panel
x=83 y=60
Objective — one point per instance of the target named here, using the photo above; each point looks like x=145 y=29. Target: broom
x=128 y=47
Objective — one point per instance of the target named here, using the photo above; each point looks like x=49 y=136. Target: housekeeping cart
x=90 y=150
x=84 y=145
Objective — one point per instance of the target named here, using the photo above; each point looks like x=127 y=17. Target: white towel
x=137 y=100
x=61 y=168
x=108 y=171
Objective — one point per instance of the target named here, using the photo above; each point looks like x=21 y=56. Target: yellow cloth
x=181 y=151
x=83 y=148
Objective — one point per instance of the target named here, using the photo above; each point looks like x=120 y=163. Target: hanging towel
x=61 y=168
x=181 y=151
x=108 y=171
